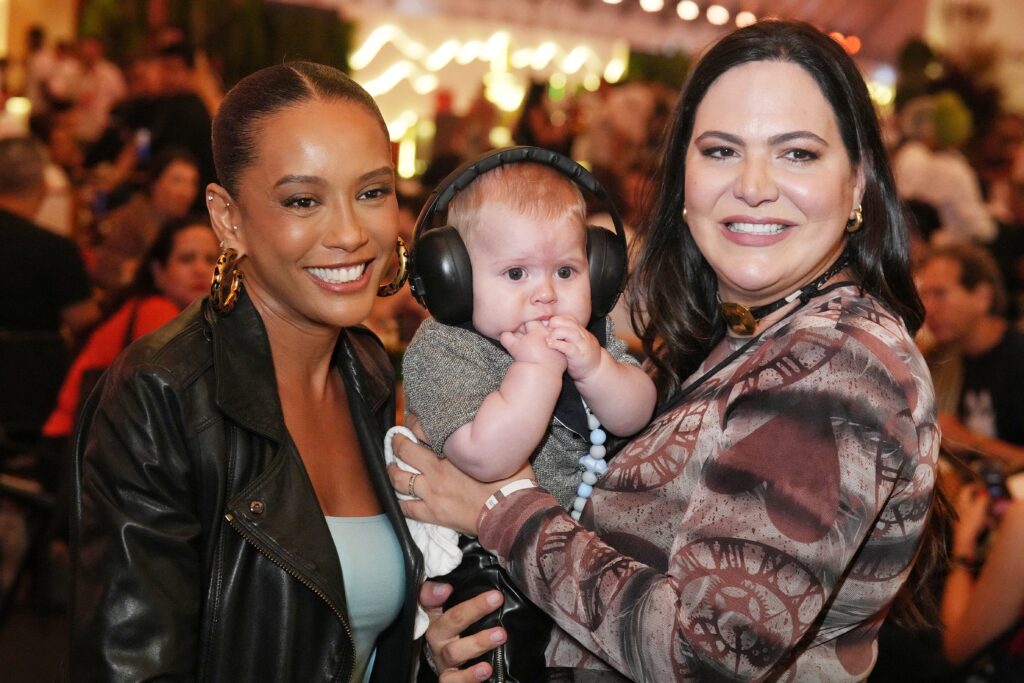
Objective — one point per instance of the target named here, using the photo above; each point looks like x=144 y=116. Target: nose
x=754 y=182
x=346 y=229
x=544 y=292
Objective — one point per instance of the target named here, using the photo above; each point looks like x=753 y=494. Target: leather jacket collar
x=240 y=345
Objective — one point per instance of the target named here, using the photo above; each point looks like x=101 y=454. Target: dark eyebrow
x=309 y=179
x=383 y=171
x=732 y=139
x=782 y=138
x=796 y=135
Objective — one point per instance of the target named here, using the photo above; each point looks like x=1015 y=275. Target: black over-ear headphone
x=441 y=276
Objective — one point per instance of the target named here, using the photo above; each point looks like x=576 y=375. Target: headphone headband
x=461 y=177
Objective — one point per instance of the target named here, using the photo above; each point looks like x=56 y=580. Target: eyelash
x=800 y=155
x=377 y=192
x=718 y=152
x=797 y=154
x=294 y=202
x=372 y=194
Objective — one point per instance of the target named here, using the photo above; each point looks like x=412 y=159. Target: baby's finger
x=563 y=320
x=566 y=348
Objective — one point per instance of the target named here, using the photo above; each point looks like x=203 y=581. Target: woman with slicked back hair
x=233 y=519
x=762 y=525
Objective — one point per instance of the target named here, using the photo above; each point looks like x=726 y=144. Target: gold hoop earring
x=403 y=271
x=856 y=220
x=224 y=300
x=684 y=213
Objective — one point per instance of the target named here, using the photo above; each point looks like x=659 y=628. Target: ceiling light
x=717 y=15
x=745 y=19
x=688 y=10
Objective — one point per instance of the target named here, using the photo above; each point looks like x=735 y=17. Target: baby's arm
x=621 y=396
x=512 y=420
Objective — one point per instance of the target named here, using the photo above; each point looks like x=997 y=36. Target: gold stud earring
x=856 y=220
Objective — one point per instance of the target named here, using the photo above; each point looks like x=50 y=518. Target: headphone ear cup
x=442 y=276
x=606 y=258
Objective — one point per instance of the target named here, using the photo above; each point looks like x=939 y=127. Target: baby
x=530 y=376
x=490 y=394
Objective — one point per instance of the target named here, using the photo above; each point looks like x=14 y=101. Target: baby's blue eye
x=564 y=273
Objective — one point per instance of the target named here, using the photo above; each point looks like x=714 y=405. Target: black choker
x=743 y=320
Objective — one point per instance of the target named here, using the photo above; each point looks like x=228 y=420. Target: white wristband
x=508 y=489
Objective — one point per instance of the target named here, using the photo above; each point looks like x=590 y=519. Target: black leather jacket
x=200 y=550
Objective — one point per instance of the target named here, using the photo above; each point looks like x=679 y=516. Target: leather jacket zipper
x=499 y=664
x=263 y=550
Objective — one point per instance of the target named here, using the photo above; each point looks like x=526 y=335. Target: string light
x=406 y=166
x=717 y=15
x=652 y=5
x=688 y=10
x=745 y=19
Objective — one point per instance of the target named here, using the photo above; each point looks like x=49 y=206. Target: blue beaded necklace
x=594 y=464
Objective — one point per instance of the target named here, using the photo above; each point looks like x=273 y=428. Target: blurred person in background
x=126 y=233
x=174 y=273
x=40 y=61
x=100 y=87
x=164 y=112
x=45 y=297
x=963 y=294
x=538 y=125
x=62 y=84
x=43 y=280
x=983 y=599
x=929 y=167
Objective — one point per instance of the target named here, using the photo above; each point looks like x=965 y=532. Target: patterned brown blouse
x=758 y=530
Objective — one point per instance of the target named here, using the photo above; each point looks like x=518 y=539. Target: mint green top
x=374 y=573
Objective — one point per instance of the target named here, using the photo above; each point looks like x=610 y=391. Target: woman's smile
x=332 y=276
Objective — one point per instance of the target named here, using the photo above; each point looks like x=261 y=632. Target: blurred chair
x=32 y=367
x=39 y=510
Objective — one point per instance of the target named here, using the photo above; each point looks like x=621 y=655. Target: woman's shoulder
x=862 y=332
x=178 y=350
x=850 y=311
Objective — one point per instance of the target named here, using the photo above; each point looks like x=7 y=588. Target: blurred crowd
x=100 y=217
